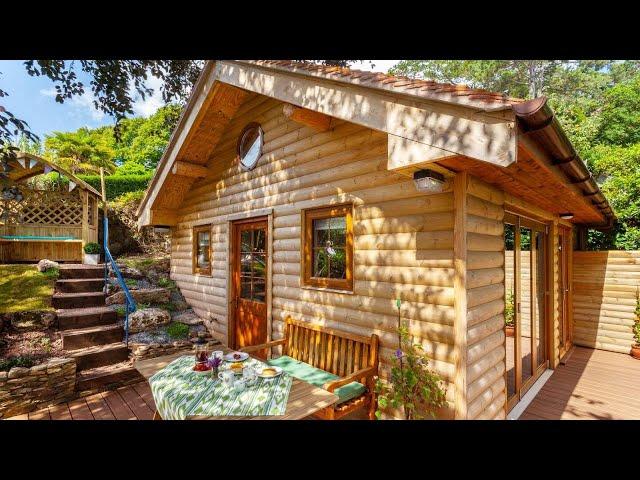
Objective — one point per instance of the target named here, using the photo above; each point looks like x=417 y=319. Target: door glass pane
x=509 y=308
x=539 y=311
x=525 y=303
x=259 y=241
x=245 y=240
x=259 y=292
x=259 y=265
x=245 y=264
x=245 y=287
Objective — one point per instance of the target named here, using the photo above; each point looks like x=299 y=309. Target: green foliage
x=509 y=309
x=92 y=248
x=412 y=385
x=170 y=307
x=130 y=282
x=166 y=282
x=52 y=273
x=117 y=185
x=121 y=310
x=18 y=361
x=82 y=151
x=178 y=330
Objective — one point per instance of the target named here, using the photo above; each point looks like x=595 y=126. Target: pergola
x=39 y=223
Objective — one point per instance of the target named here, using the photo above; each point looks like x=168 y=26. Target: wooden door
x=526 y=295
x=249 y=275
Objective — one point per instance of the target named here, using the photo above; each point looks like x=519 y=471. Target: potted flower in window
x=91 y=254
x=635 y=348
x=509 y=314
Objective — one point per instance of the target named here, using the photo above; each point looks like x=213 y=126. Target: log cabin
x=323 y=194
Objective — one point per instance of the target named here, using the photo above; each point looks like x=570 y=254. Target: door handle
x=518 y=307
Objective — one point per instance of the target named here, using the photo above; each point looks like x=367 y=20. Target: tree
x=82 y=151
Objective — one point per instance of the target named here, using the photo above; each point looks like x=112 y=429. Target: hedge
x=116 y=185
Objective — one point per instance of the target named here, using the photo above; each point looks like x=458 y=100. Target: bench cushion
x=317 y=377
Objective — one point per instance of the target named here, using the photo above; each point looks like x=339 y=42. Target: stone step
x=100 y=355
x=85 y=317
x=88 y=337
x=77 y=270
x=106 y=378
x=74 y=285
x=77 y=300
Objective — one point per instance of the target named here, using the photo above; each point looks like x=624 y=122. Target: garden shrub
x=117 y=185
x=178 y=330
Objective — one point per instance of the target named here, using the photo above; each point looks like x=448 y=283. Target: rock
x=17 y=372
x=30 y=320
x=188 y=318
x=3 y=376
x=44 y=265
x=130 y=272
x=148 y=319
x=142 y=295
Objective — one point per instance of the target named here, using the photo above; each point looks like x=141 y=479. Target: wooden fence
x=605 y=289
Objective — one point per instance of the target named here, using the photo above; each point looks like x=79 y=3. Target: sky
x=33 y=99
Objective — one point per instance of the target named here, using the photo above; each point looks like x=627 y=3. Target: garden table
x=304 y=399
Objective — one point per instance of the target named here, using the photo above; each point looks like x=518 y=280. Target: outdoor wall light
x=428 y=181
x=566 y=216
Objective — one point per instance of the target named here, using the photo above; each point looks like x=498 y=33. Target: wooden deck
x=593 y=385
x=133 y=402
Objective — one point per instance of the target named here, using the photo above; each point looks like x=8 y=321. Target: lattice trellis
x=43 y=207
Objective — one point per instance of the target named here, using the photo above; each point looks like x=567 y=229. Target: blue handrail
x=130 y=302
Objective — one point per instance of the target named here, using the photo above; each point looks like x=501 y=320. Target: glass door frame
x=535 y=226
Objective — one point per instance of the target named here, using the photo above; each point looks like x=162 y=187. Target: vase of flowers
x=412 y=385
x=214 y=363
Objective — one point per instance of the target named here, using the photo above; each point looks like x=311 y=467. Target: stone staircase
x=91 y=332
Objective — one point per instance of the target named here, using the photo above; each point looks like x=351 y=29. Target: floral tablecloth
x=180 y=392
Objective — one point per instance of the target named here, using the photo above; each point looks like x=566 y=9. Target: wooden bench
x=352 y=358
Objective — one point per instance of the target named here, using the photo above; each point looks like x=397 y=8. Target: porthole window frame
x=244 y=132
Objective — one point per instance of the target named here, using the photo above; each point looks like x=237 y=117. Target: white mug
x=249 y=374
x=239 y=385
x=217 y=354
x=227 y=377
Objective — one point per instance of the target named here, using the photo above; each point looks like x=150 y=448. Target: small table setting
x=226 y=384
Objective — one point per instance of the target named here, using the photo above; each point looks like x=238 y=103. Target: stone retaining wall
x=25 y=390
x=143 y=351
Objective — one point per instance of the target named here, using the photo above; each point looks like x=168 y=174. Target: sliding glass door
x=525 y=304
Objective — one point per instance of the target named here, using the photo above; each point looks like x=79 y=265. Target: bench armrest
x=354 y=377
x=273 y=343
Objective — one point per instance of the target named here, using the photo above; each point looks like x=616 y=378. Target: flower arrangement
x=412 y=385
x=636 y=322
x=214 y=363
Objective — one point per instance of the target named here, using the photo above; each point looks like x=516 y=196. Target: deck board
x=594 y=384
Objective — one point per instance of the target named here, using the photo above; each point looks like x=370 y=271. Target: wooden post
x=460 y=183
x=84 y=198
x=104 y=206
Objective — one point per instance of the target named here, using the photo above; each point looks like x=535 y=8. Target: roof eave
x=537 y=116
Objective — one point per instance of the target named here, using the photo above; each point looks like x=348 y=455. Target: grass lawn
x=23 y=287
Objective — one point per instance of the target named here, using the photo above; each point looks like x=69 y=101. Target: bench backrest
x=331 y=350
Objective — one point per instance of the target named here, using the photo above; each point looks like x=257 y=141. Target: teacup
x=227 y=377
x=239 y=385
x=249 y=374
x=217 y=354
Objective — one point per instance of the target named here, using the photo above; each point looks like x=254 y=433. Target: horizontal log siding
x=485 y=302
x=605 y=285
x=403 y=240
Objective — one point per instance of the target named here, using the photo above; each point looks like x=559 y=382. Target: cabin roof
x=22 y=174
x=509 y=123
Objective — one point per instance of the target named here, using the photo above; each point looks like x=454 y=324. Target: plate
x=243 y=356
x=277 y=369
x=201 y=372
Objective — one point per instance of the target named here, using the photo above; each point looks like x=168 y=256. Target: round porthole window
x=250 y=145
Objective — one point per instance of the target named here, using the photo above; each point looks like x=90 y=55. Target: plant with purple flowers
x=412 y=385
x=214 y=363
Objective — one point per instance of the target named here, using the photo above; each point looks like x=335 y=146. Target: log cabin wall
x=403 y=240
x=485 y=342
